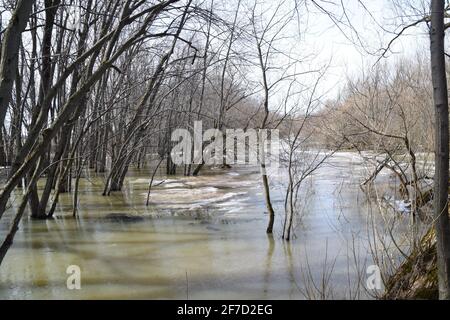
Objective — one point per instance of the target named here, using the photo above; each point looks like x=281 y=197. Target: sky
x=356 y=47
x=346 y=34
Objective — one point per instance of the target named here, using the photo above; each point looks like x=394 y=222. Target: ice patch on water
x=233 y=203
x=184 y=192
x=402 y=206
x=232 y=211
x=218 y=202
x=140 y=180
x=218 y=199
x=174 y=185
x=155 y=182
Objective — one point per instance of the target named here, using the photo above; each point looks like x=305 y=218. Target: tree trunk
x=269 y=207
x=440 y=95
x=8 y=241
x=3 y=161
x=10 y=53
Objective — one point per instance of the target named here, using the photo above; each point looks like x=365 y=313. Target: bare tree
x=10 y=52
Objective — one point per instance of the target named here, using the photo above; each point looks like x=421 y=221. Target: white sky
x=349 y=44
x=322 y=39
x=352 y=52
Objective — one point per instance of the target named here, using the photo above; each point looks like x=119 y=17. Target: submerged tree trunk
x=269 y=207
x=8 y=241
x=440 y=95
x=151 y=180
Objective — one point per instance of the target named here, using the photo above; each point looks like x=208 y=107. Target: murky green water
x=201 y=238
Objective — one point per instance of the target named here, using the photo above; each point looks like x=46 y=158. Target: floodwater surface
x=200 y=238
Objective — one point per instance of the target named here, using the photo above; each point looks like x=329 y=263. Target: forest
x=210 y=149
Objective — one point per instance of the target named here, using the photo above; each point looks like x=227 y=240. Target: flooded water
x=201 y=238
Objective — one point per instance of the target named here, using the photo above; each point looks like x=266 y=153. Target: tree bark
x=440 y=96
x=10 y=53
x=269 y=207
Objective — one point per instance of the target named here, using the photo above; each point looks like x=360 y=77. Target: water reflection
x=200 y=236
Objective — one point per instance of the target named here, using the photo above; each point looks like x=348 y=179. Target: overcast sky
x=352 y=51
x=350 y=36
x=347 y=34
